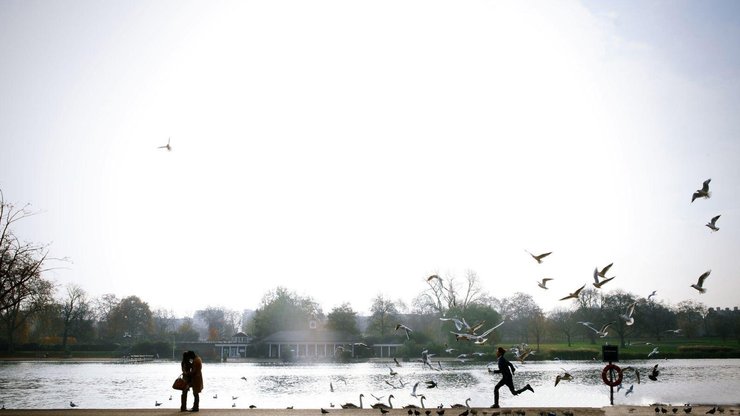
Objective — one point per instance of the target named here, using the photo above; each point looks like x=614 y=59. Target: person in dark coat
x=185 y=366
x=507 y=370
x=196 y=378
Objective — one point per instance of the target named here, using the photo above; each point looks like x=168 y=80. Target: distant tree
x=102 y=309
x=563 y=321
x=186 y=332
x=282 y=310
x=38 y=297
x=75 y=312
x=615 y=305
x=23 y=291
x=222 y=323
x=654 y=319
x=383 y=317
x=343 y=318
x=690 y=318
x=523 y=317
x=131 y=319
x=164 y=324
x=444 y=293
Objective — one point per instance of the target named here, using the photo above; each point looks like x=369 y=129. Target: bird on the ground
x=687 y=409
x=654 y=374
x=157 y=404
x=251 y=406
x=233 y=404
x=405 y=328
x=72 y=404
x=699 y=285
x=324 y=411
x=383 y=411
x=629 y=390
x=703 y=192
x=627 y=316
x=349 y=405
x=539 y=257
x=653 y=352
x=712 y=410
x=458 y=405
x=575 y=294
x=674 y=410
x=712 y=224
x=167 y=146
x=543 y=282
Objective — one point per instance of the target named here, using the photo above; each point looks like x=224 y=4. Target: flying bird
x=600 y=332
x=675 y=331
x=543 y=283
x=157 y=404
x=603 y=282
x=563 y=377
x=703 y=192
x=431 y=384
x=712 y=224
x=654 y=374
x=699 y=285
x=167 y=146
x=405 y=328
x=652 y=295
x=539 y=257
x=654 y=352
x=629 y=390
x=627 y=316
x=575 y=294
x=603 y=271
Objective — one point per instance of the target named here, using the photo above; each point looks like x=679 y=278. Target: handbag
x=180 y=383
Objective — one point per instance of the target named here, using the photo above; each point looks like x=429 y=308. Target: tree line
x=33 y=310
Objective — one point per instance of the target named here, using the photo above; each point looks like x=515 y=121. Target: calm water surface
x=44 y=385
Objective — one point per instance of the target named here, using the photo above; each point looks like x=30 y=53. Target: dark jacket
x=505 y=368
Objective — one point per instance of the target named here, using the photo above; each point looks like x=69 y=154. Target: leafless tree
x=75 y=308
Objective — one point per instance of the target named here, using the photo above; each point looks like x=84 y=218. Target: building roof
x=314 y=335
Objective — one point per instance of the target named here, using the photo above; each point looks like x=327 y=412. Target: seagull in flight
x=629 y=390
x=600 y=332
x=712 y=224
x=598 y=285
x=654 y=374
x=575 y=294
x=563 y=377
x=703 y=192
x=652 y=295
x=167 y=146
x=627 y=316
x=539 y=257
x=602 y=272
x=405 y=328
x=653 y=352
x=699 y=285
x=543 y=283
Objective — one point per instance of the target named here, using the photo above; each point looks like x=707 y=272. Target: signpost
x=610 y=354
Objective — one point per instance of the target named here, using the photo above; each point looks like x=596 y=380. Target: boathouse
x=310 y=344
x=235 y=348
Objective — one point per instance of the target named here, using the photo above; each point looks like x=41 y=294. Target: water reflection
x=103 y=385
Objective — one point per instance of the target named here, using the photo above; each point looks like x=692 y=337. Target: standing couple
x=191 y=366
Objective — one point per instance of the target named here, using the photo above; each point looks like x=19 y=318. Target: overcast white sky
x=344 y=149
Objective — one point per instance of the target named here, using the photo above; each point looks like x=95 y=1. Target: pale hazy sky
x=344 y=149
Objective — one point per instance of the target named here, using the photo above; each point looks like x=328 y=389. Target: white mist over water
x=43 y=385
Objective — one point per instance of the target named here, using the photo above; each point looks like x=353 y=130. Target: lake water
x=45 y=385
